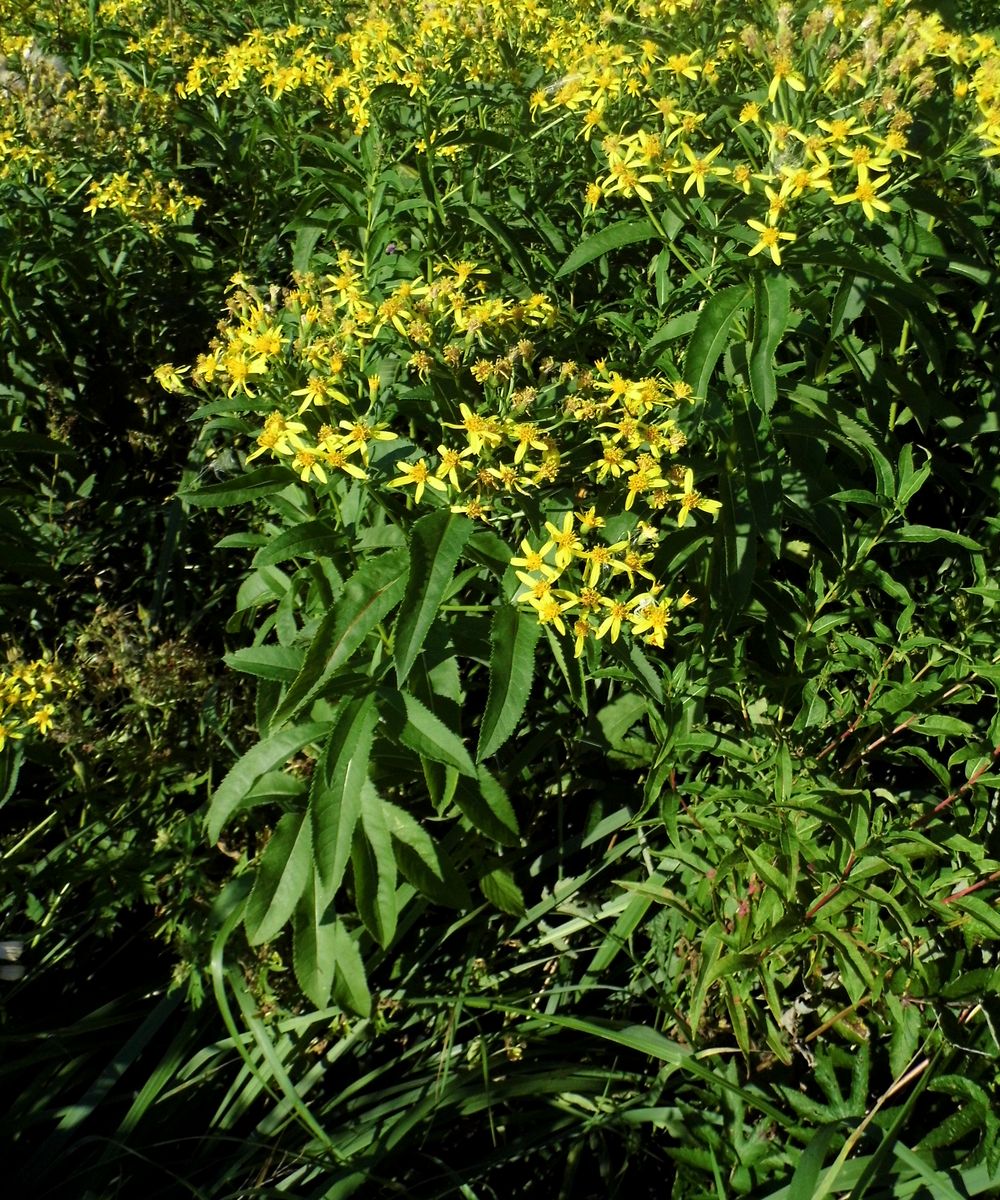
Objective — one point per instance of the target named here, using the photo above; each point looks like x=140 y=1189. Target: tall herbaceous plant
x=610 y=444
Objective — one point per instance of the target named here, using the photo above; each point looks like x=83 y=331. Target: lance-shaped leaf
x=422 y=862
x=350 y=986
x=770 y=319
x=710 y=335
x=499 y=888
x=488 y=808
x=335 y=800
x=370 y=594
x=374 y=865
x=435 y=544
x=282 y=663
x=241 y=488
x=622 y=233
x=272 y=752
x=307 y=538
x=513 y=639
x=284 y=871
x=314 y=947
x=413 y=725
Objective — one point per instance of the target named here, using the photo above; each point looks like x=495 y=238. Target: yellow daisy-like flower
x=418 y=476
x=770 y=240
x=866 y=194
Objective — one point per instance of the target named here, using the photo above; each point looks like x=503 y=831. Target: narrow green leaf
x=284 y=871
x=338 y=782
x=266 y=662
x=240 y=488
x=350 y=985
x=369 y=595
x=374 y=865
x=770 y=319
x=710 y=335
x=488 y=808
x=422 y=862
x=307 y=538
x=314 y=946
x=513 y=638
x=506 y=238
x=435 y=545
x=499 y=888
x=806 y=1177
x=274 y=751
x=413 y=725
x=623 y=233
x=926 y=533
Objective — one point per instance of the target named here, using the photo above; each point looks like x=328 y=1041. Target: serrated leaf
x=238 y=490
x=421 y=862
x=338 y=783
x=488 y=808
x=307 y=538
x=284 y=871
x=623 y=233
x=710 y=336
x=513 y=638
x=350 y=984
x=499 y=888
x=274 y=751
x=314 y=946
x=282 y=663
x=436 y=542
x=374 y=865
x=413 y=725
x=370 y=594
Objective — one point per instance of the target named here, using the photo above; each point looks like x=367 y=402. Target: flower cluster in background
x=29 y=695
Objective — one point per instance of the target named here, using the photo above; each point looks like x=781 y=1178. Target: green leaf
x=413 y=725
x=807 y=1171
x=926 y=533
x=758 y=460
x=422 y=863
x=499 y=888
x=623 y=233
x=314 y=946
x=22 y=441
x=770 y=319
x=513 y=638
x=350 y=985
x=504 y=237
x=374 y=865
x=435 y=545
x=710 y=335
x=274 y=751
x=240 y=488
x=305 y=539
x=266 y=662
x=338 y=783
x=488 y=808
x=370 y=594
x=283 y=873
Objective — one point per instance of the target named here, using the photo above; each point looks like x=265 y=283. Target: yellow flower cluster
x=28 y=695
x=813 y=104
x=483 y=420
x=814 y=107
x=143 y=199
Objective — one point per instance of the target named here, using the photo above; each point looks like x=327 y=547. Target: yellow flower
x=866 y=194
x=690 y=499
x=699 y=168
x=784 y=72
x=419 y=476
x=652 y=620
x=565 y=540
x=451 y=460
x=770 y=239
x=618 y=612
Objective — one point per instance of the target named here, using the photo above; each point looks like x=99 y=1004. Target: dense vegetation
x=499 y=544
